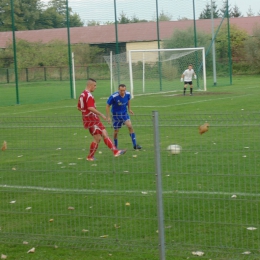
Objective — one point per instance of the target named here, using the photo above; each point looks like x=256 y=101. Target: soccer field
x=58 y=202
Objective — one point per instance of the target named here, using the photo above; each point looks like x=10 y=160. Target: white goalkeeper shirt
x=188 y=74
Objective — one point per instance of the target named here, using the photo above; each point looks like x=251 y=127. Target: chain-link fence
x=42 y=48
x=50 y=195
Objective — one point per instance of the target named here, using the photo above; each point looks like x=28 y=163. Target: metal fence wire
x=205 y=200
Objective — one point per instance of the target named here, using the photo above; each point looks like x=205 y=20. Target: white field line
x=172 y=105
x=38 y=110
x=147 y=192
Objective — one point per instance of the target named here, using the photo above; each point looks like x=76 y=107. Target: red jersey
x=86 y=100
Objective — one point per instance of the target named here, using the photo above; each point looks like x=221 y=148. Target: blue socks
x=133 y=139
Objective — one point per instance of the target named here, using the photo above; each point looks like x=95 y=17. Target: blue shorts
x=119 y=120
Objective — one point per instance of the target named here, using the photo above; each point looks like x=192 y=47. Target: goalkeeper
x=120 y=102
x=187 y=78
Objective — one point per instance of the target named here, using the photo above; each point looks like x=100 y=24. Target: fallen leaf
x=14 y=169
x=127 y=204
x=233 y=196
x=198 y=253
x=25 y=243
x=3 y=256
x=84 y=230
x=19 y=156
x=32 y=250
x=72 y=163
x=104 y=236
x=134 y=155
x=12 y=202
x=144 y=192
x=246 y=253
x=251 y=228
x=71 y=208
x=51 y=220
x=203 y=128
x=28 y=208
x=4 y=146
x=94 y=165
x=116 y=226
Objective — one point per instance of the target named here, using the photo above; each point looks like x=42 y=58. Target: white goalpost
x=156 y=71
x=160 y=70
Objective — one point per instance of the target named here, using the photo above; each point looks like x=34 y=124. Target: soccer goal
x=160 y=70
x=155 y=71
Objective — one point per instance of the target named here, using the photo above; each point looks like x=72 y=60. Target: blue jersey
x=119 y=104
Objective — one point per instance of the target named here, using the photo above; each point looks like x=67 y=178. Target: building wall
x=139 y=56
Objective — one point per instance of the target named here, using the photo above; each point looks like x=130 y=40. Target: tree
x=206 y=13
x=34 y=14
x=26 y=13
x=164 y=16
x=250 y=12
x=55 y=53
x=93 y=23
x=252 y=49
x=123 y=19
x=185 y=39
x=237 y=38
x=235 y=12
x=135 y=19
x=29 y=12
x=182 y=18
x=224 y=8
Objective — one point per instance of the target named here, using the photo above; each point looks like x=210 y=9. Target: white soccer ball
x=174 y=148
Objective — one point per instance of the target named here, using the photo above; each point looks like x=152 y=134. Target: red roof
x=132 y=32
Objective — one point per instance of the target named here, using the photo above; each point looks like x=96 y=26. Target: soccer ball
x=174 y=149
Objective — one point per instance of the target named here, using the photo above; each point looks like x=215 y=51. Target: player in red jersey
x=91 y=121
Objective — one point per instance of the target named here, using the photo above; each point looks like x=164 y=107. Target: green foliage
x=85 y=54
x=93 y=23
x=235 y=12
x=169 y=71
x=55 y=53
x=237 y=38
x=33 y=14
x=206 y=13
x=252 y=49
x=185 y=39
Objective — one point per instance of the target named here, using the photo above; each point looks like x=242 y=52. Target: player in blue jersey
x=120 y=106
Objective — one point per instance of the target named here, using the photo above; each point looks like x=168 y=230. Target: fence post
x=7 y=76
x=158 y=174
x=45 y=77
x=26 y=72
x=87 y=72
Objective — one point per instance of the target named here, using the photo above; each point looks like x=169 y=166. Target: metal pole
x=117 y=47
x=159 y=185
x=213 y=46
x=69 y=49
x=73 y=74
x=14 y=50
x=158 y=42
x=229 y=46
x=194 y=25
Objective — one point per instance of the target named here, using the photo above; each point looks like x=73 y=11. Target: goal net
x=156 y=71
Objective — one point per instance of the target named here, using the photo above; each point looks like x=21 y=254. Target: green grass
x=44 y=168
